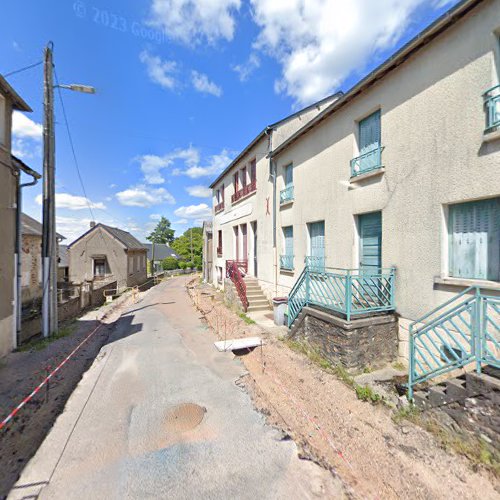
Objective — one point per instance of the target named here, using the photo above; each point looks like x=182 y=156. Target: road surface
x=158 y=415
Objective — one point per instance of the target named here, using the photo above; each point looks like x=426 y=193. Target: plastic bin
x=280 y=305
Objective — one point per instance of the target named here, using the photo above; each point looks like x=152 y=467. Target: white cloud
x=155 y=216
x=160 y=71
x=245 y=69
x=144 y=196
x=26 y=136
x=151 y=165
x=319 y=43
x=199 y=191
x=202 y=84
x=71 y=202
x=198 y=212
x=215 y=165
x=180 y=221
x=195 y=21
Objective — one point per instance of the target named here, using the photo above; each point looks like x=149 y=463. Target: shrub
x=190 y=265
x=182 y=264
x=169 y=264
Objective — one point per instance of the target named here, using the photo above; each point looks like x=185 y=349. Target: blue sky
x=182 y=87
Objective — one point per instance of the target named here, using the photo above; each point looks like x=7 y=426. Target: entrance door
x=245 y=241
x=370 y=242
x=317 y=242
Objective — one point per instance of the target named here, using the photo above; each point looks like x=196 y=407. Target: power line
x=23 y=69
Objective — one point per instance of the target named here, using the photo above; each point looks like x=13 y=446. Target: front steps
x=458 y=389
x=256 y=299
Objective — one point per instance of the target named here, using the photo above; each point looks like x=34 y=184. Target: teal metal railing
x=367 y=162
x=350 y=292
x=286 y=195
x=463 y=330
x=492 y=107
x=286 y=262
x=316 y=264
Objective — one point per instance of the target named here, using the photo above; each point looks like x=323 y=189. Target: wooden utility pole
x=49 y=243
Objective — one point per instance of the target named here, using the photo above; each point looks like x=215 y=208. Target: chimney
x=92 y=223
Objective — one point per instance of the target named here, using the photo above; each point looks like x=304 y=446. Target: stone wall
x=231 y=297
x=368 y=342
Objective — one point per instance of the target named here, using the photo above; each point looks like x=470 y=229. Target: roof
x=162 y=251
x=19 y=164
x=17 y=101
x=32 y=227
x=432 y=31
x=124 y=237
x=269 y=128
x=63 y=256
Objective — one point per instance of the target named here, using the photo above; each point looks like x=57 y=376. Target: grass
x=364 y=393
x=246 y=319
x=399 y=366
x=409 y=412
x=38 y=344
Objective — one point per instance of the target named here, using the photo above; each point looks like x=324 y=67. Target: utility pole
x=49 y=238
x=191 y=233
x=49 y=243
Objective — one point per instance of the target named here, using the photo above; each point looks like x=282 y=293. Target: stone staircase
x=256 y=298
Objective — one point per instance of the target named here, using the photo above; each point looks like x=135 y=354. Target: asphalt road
x=124 y=435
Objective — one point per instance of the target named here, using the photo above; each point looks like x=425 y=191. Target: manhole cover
x=184 y=417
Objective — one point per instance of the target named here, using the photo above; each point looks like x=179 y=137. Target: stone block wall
x=368 y=342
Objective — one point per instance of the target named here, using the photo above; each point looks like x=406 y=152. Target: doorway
x=370 y=242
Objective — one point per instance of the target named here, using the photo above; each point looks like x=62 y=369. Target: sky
x=181 y=87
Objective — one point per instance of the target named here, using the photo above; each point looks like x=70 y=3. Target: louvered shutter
x=289 y=176
x=475 y=240
x=318 y=239
x=369 y=133
x=288 y=233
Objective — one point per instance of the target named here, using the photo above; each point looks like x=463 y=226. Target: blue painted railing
x=286 y=262
x=367 y=162
x=463 y=330
x=286 y=195
x=316 y=264
x=492 y=107
x=350 y=292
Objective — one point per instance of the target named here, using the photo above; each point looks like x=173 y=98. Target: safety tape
x=30 y=396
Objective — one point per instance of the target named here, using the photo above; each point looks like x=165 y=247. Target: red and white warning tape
x=30 y=396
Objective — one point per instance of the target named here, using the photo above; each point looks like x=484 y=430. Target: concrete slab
x=238 y=344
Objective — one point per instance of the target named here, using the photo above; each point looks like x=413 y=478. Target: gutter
x=17 y=259
x=273 y=174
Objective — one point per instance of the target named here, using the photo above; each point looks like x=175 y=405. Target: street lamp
x=49 y=242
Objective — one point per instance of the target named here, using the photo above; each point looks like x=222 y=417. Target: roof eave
x=17 y=101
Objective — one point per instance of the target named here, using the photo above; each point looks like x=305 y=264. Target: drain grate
x=184 y=417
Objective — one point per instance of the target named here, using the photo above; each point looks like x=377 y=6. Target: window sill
x=465 y=282
x=289 y=272
x=367 y=175
x=286 y=203
x=491 y=136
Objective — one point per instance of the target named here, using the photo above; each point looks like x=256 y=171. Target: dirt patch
x=21 y=372
x=184 y=417
x=374 y=456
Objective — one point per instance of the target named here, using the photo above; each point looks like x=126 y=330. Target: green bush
x=169 y=264
x=182 y=264
x=197 y=261
x=190 y=265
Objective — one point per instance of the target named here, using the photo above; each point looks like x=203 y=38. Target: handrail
x=491 y=100
x=376 y=152
x=233 y=272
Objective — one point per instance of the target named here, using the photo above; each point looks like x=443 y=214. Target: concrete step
x=258 y=302
x=258 y=308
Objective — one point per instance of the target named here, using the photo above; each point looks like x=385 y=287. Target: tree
x=169 y=264
x=189 y=246
x=162 y=233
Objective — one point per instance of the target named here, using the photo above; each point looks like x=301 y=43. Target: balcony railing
x=492 y=107
x=286 y=262
x=244 y=191
x=219 y=207
x=315 y=264
x=367 y=162
x=286 y=195
x=350 y=292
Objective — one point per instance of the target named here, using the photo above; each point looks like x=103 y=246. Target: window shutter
x=369 y=132
x=475 y=240
x=288 y=233
x=289 y=175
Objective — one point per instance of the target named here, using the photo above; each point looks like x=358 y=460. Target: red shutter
x=253 y=171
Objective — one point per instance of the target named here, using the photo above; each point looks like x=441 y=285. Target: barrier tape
x=30 y=396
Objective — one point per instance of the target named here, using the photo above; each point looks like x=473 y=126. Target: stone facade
x=370 y=342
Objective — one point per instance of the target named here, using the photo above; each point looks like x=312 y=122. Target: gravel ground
x=359 y=442
x=21 y=372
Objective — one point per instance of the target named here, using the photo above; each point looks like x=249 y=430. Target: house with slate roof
x=161 y=252
x=106 y=253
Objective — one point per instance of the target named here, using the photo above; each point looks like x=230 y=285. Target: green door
x=370 y=229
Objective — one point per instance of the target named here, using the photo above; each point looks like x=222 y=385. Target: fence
x=463 y=330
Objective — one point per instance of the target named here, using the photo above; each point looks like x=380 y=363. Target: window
x=3 y=118
x=474 y=240
x=99 y=268
x=369 y=132
x=236 y=182
x=289 y=175
x=253 y=171
x=222 y=193
x=243 y=173
x=286 y=260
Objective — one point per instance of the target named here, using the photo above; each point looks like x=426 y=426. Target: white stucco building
x=402 y=171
